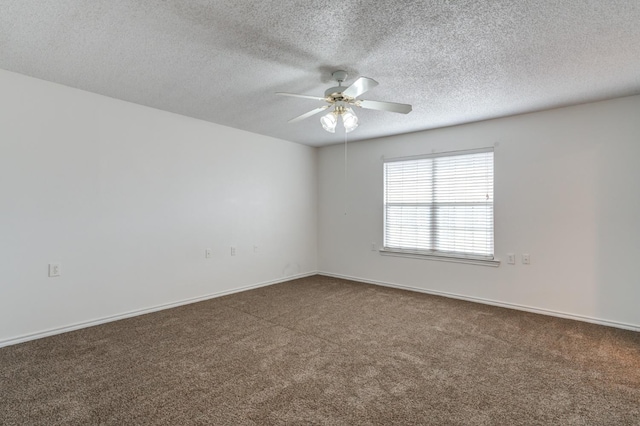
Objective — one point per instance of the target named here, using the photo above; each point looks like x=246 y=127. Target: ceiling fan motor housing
x=336 y=92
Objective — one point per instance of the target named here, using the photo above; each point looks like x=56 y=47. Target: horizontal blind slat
x=442 y=204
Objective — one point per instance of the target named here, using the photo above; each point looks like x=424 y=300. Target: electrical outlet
x=511 y=258
x=373 y=247
x=255 y=249
x=54 y=269
x=233 y=251
x=526 y=259
x=208 y=253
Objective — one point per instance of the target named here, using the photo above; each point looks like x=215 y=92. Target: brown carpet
x=321 y=350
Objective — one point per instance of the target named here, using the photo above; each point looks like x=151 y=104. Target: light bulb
x=329 y=122
x=350 y=120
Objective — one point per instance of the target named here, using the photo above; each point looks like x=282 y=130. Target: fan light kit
x=342 y=99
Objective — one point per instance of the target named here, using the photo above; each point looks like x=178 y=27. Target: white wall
x=567 y=191
x=127 y=198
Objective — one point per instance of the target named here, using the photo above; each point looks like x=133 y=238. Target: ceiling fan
x=342 y=98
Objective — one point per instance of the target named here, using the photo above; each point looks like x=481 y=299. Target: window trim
x=435 y=255
x=439 y=154
x=440 y=257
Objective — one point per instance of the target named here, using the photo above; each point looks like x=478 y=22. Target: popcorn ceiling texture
x=222 y=61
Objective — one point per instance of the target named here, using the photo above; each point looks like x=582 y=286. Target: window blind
x=441 y=204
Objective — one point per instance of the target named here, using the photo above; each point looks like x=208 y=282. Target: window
x=440 y=205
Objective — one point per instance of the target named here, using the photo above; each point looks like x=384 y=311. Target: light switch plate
x=511 y=258
x=526 y=259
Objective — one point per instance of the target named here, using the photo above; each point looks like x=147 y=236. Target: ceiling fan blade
x=385 y=106
x=308 y=114
x=295 y=95
x=360 y=86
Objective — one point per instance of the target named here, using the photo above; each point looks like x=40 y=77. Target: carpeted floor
x=321 y=350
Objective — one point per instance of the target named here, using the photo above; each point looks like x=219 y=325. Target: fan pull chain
x=346 y=192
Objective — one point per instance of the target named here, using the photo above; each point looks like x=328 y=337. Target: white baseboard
x=103 y=320
x=508 y=305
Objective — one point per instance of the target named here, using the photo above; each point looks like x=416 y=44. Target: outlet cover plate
x=54 y=269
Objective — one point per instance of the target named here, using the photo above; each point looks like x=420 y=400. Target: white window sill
x=442 y=258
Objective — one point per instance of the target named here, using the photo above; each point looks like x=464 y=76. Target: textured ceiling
x=222 y=61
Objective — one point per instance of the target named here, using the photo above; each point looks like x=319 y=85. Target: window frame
x=434 y=254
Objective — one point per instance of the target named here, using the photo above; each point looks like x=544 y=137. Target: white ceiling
x=222 y=61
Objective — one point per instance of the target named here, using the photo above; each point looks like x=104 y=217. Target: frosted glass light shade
x=350 y=120
x=329 y=122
